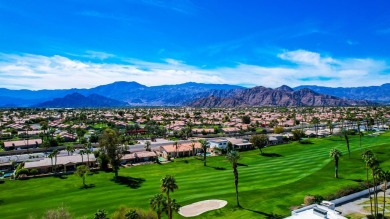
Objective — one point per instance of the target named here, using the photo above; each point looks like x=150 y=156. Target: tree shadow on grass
x=61 y=176
x=1 y=202
x=129 y=181
x=88 y=186
x=242 y=165
x=271 y=155
x=217 y=168
x=267 y=215
x=357 y=180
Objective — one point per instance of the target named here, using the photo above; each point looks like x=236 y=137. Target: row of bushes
x=316 y=199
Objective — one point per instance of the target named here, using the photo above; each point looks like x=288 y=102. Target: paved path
x=356 y=206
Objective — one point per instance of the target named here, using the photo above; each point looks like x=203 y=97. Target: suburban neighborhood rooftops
x=73 y=159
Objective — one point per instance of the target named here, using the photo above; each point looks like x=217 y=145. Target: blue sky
x=73 y=43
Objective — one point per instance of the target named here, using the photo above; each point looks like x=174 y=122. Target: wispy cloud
x=31 y=71
x=181 y=6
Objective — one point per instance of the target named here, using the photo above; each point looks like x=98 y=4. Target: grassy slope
x=268 y=185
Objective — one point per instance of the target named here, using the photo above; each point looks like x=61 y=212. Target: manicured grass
x=268 y=184
x=100 y=125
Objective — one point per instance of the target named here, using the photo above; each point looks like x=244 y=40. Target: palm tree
x=315 y=121
x=176 y=145
x=373 y=163
x=88 y=152
x=335 y=154
x=82 y=152
x=330 y=126
x=147 y=145
x=159 y=204
x=344 y=132
x=54 y=155
x=51 y=155
x=168 y=185
x=204 y=144
x=233 y=157
x=69 y=149
x=193 y=147
x=385 y=178
x=366 y=156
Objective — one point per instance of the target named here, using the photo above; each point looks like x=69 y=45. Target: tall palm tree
x=176 y=145
x=373 y=163
x=168 y=185
x=54 y=155
x=69 y=149
x=385 y=178
x=82 y=152
x=193 y=147
x=366 y=156
x=330 y=126
x=204 y=144
x=335 y=154
x=344 y=132
x=51 y=155
x=88 y=152
x=159 y=204
x=233 y=156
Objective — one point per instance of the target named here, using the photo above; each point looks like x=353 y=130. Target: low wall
x=354 y=196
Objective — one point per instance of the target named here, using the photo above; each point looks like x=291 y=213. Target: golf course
x=269 y=185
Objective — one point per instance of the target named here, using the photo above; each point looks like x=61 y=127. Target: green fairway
x=267 y=184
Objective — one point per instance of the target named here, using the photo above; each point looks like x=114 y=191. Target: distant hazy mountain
x=77 y=100
x=136 y=94
x=372 y=93
x=130 y=92
x=282 y=96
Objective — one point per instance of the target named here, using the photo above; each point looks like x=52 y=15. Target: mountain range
x=282 y=96
x=372 y=93
x=193 y=94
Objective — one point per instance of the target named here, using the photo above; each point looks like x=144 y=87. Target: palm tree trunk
x=369 y=191
x=204 y=158
x=169 y=206
x=375 y=197
x=235 y=172
x=336 y=168
x=384 y=199
x=347 y=141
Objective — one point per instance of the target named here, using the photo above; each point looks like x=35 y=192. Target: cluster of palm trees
x=54 y=155
x=164 y=204
x=378 y=176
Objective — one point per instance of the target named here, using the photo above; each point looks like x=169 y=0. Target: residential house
x=182 y=150
x=22 y=144
x=240 y=144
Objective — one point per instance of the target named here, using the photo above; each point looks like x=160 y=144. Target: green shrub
x=23 y=171
x=34 y=172
x=124 y=212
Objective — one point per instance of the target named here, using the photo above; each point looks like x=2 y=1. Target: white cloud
x=29 y=71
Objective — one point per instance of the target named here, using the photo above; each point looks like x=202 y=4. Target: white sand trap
x=201 y=207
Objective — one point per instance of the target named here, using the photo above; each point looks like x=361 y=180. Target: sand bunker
x=198 y=208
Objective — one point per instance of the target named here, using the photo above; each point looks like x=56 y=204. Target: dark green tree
x=109 y=143
x=259 y=141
